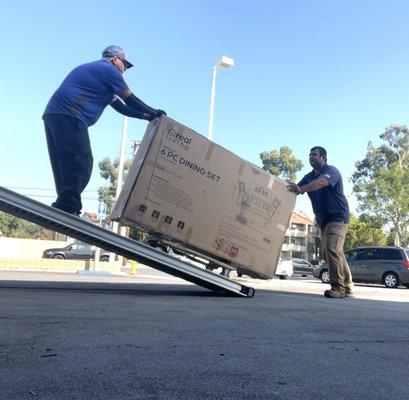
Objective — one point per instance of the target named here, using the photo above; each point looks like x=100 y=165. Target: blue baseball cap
x=116 y=51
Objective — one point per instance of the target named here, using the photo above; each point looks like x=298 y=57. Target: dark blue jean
x=71 y=159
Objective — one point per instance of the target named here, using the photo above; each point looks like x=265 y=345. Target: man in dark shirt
x=76 y=105
x=325 y=190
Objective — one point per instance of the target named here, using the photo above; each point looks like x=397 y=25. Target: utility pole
x=119 y=180
x=135 y=147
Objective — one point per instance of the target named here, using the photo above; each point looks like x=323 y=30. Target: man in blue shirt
x=76 y=105
x=325 y=190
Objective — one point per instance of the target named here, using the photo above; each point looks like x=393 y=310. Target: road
x=150 y=336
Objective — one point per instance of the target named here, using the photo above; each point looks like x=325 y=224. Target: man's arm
x=316 y=184
x=123 y=109
x=137 y=104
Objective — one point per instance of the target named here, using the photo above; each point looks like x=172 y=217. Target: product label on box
x=179 y=160
x=162 y=189
x=242 y=236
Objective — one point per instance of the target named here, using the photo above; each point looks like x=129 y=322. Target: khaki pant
x=333 y=239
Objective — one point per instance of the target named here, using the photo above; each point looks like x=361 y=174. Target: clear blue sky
x=307 y=73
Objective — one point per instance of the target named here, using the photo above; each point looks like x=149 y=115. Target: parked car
x=75 y=251
x=374 y=264
x=293 y=266
x=321 y=272
x=302 y=267
x=284 y=268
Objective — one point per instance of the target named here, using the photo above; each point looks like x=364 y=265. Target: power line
x=53 y=197
x=36 y=188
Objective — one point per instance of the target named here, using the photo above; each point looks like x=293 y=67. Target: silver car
x=374 y=264
x=302 y=267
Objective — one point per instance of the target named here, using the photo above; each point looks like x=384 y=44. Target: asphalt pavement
x=150 y=336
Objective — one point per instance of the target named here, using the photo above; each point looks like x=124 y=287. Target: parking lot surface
x=150 y=336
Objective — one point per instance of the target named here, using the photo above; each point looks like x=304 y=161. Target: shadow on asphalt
x=146 y=289
x=138 y=289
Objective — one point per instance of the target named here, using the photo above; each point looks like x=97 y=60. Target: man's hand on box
x=293 y=187
x=159 y=112
x=156 y=114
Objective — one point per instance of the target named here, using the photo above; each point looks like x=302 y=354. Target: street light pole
x=212 y=98
x=224 y=62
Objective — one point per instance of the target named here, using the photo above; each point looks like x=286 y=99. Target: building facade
x=300 y=238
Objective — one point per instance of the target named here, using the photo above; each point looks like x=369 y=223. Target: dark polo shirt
x=329 y=203
x=86 y=91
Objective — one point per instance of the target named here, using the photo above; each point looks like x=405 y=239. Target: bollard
x=133 y=267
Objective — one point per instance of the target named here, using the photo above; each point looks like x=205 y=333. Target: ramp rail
x=59 y=221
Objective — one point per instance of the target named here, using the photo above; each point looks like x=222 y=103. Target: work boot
x=334 y=294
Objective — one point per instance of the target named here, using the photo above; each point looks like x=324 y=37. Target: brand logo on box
x=178 y=139
x=233 y=251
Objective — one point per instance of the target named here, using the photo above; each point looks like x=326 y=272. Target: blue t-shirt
x=86 y=91
x=329 y=203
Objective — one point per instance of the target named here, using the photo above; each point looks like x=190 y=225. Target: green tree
x=109 y=171
x=281 y=163
x=11 y=226
x=392 y=236
x=381 y=181
x=361 y=232
x=138 y=234
x=314 y=245
x=372 y=220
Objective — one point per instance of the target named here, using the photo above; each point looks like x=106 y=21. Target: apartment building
x=300 y=231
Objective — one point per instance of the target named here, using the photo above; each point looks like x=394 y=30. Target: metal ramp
x=59 y=221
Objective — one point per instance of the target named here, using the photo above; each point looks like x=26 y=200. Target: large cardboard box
x=196 y=193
